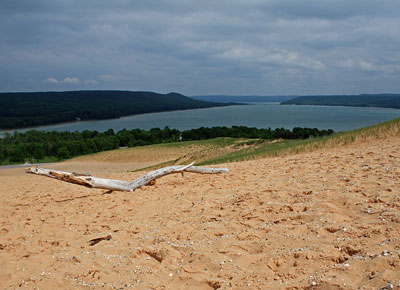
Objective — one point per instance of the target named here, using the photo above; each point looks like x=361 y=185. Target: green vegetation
x=20 y=110
x=285 y=147
x=365 y=100
x=35 y=146
x=246 y=132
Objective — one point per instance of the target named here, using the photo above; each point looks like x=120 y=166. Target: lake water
x=261 y=115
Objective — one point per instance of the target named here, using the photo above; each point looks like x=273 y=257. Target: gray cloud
x=204 y=47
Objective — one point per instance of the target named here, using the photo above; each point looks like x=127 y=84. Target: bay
x=260 y=115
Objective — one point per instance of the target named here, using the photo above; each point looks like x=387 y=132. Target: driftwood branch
x=120 y=185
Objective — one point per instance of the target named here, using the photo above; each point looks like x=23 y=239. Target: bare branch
x=120 y=185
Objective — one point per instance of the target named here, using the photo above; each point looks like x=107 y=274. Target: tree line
x=34 y=146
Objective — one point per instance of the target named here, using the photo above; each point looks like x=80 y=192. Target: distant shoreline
x=388 y=101
x=341 y=105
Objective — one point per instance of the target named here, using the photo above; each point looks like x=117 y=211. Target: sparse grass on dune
x=223 y=150
x=382 y=130
x=167 y=153
x=137 y=154
x=160 y=152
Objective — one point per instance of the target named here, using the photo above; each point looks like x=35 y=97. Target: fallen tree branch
x=120 y=185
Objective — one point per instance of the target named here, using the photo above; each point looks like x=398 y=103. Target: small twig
x=98 y=240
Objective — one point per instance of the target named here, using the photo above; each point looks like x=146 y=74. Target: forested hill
x=365 y=100
x=19 y=110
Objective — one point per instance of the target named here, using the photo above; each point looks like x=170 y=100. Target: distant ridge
x=20 y=110
x=242 y=99
x=363 y=100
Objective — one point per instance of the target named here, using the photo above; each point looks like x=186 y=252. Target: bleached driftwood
x=120 y=185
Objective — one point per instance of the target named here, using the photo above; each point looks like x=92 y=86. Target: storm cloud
x=270 y=47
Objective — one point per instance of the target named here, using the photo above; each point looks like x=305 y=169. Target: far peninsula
x=363 y=100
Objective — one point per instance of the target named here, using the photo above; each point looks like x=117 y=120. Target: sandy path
x=323 y=220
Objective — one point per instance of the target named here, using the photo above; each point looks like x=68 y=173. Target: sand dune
x=322 y=220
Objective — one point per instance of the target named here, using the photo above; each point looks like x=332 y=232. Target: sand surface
x=322 y=220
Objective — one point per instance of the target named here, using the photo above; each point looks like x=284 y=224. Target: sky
x=231 y=47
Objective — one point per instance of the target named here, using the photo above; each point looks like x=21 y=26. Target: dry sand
x=322 y=220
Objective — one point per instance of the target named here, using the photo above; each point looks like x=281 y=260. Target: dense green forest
x=366 y=100
x=36 y=146
x=20 y=110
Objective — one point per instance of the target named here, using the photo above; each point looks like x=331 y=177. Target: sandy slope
x=323 y=220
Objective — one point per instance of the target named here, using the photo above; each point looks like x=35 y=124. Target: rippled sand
x=322 y=220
